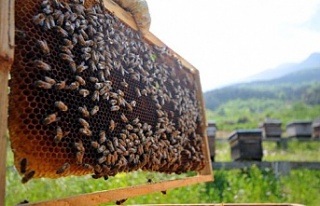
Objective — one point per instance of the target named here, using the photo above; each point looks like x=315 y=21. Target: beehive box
x=90 y=95
x=299 y=129
x=246 y=145
x=271 y=128
x=211 y=133
x=316 y=129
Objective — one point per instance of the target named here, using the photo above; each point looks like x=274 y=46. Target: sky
x=229 y=40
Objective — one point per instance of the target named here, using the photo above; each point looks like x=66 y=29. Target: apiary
x=90 y=95
x=299 y=129
x=246 y=145
x=271 y=128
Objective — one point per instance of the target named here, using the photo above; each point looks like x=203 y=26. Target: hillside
x=313 y=61
x=302 y=85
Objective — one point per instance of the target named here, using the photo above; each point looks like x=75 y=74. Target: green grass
x=248 y=114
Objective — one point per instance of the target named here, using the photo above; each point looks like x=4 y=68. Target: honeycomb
x=90 y=95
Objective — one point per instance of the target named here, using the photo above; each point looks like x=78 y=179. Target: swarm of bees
x=90 y=96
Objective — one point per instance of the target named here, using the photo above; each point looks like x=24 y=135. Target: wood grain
x=6 y=60
x=123 y=193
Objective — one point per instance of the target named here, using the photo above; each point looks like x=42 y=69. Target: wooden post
x=6 y=60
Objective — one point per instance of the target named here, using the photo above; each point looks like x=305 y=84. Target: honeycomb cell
x=123 y=74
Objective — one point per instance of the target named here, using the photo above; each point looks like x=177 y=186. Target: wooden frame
x=6 y=60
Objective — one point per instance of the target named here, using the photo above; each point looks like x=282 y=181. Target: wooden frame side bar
x=6 y=60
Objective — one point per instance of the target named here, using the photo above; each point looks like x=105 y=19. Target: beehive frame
x=105 y=196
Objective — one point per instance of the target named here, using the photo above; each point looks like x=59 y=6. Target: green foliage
x=246 y=114
x=303 y=86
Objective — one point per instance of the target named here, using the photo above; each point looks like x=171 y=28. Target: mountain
x=313 y=61
x=301 y=84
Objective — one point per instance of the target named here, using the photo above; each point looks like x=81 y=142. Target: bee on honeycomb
x=89 y=95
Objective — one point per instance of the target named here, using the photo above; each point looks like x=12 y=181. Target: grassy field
x=235 y=186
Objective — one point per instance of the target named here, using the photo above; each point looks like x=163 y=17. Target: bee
x=61 y=31
x=112 y=125
x=68 y=43
x=95 y=95
x=120 y=202
x=42 y=65
x=95 y=144
x=44 y=46
x=110 y=146
x=81 y=67
x=28 y=176
x=144 y=92
x=159 y=113
x=49 y=80
x=84 y=111
x=140 y=149
x=138 y=92
x=129 y=127
x=59 y=134
x=39 y=19
x=85 y=131
x=102 y=137
x=81 y=40
x=23 y=165
x=129 y=106
x=101 y=75
x=102 y=159
x=94 y=110
x=115 y=141
x=124 y=118
x=84 y=92
x=61 y=85
x=79 y=157
x=133 y=103
x=73 y=86
x=84 y=123
x=101 y=149
x=113 y=101
x=115 y=108
x=135 y=121
x=124 y=83
x=43 y=85
x=80 y=80
x=62 y=106
x=50 y=119
x=120 y=93
x=66 y=57
x=79 y=146
x=98 y=85
x=93 y=79
x=62 y=169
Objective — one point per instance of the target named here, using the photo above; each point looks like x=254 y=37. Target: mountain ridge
x=312 y=61
x=302 y=84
